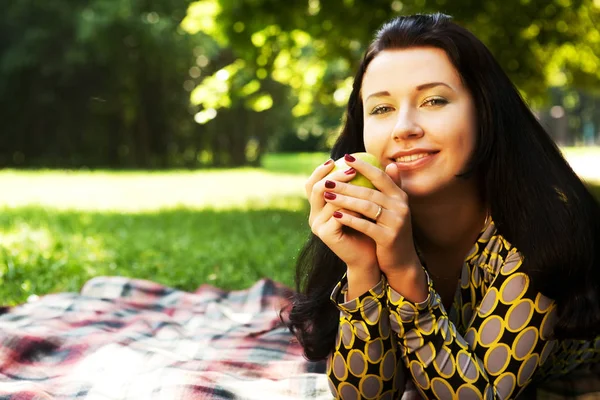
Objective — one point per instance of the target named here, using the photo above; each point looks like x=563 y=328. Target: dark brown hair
x=536 y=200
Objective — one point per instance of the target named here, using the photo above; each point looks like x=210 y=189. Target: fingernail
x=329 y=184
x=350 y=171
x=337 y=214
x=328 y=162
x=329 y=196
x=349 y=158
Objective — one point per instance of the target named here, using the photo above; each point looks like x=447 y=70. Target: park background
x=170 y=140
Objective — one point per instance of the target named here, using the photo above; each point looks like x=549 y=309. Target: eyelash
x=378 y=109
x=440 y=101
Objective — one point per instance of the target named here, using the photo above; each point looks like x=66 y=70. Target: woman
x=474 y=266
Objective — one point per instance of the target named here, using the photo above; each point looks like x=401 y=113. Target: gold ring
x=378 y=213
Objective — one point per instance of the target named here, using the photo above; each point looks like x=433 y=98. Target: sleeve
x=507 y=338
x=364 y=363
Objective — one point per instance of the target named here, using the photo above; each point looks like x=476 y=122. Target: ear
x=394 y=173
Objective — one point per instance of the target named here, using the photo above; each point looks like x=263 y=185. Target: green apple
x=359 y=179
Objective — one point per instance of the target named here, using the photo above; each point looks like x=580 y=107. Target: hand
x=353 y=248
x=392 y=230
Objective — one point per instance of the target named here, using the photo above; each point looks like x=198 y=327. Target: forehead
x=407 y=68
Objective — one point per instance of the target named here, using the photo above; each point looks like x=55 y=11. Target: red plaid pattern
x=127 y=339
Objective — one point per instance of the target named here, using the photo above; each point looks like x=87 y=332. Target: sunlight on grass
x=583 y=150
x=182 y=229
x=151 y=191
x=585 y=161
x=37 y=259
x=228 y=228
x=280 y=184
x=295 y=163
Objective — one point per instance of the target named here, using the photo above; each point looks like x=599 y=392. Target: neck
x=448 y=224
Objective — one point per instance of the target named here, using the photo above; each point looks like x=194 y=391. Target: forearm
x=441 y=361
x=363 y=363
x=360 y=280
x=411 y=282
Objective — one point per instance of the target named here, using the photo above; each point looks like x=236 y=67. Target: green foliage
x=184 y=84
x=313 y=47
x=94 y=83
x=523 y=34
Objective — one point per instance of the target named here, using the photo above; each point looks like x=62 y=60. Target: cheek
x=459 y=132
x=375 y=132
x=464 y=144
x=470 y=137
x=471 y=126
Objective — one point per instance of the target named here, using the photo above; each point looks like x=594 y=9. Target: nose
x=406 y=127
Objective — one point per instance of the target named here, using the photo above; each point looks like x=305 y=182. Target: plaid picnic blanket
x=130 y=339
x=133 y=339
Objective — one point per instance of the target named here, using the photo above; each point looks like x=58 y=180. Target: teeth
x=412 y=157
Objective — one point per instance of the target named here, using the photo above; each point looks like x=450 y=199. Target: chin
x=422 y=189
x=415 y=190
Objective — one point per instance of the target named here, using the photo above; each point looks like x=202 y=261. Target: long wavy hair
x=536 y=200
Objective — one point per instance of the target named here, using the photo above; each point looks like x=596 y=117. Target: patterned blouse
x=495 y=339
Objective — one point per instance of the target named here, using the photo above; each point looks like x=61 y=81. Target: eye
x=435 y=101
x=381 y=110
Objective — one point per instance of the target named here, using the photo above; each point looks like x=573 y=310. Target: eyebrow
x=424 y=86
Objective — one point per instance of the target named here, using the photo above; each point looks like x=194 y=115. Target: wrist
x=410 y=282
x=360 y=280
x=406 y=271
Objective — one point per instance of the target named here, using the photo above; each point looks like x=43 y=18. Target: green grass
x=228 y=228
x=46 y=251
x=297 y=163
x=179 y=228
x=584 y=150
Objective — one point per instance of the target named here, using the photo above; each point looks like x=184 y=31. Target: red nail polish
x=349 y=158
x=337 y=214
x=329 y=196
x=350 y=171
x=328 y=162
x=329 y=184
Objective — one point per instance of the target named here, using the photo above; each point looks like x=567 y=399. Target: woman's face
x=418 y=114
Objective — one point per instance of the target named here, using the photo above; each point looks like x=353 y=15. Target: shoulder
x=499 y=267
x=492 y=255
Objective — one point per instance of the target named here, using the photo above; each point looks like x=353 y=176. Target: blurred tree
x=95 y=83
x=313 y=47
x=164 y=83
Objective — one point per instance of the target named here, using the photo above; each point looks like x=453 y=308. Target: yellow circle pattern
x=497 y=339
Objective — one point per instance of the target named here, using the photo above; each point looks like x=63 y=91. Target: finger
x=326 y=225
x=330 y=232
x=397 y=201
x=393 y=172
x=326 y=214
x=366 y=208
x=316 y=204
x=341 y=175
x=361 y=225
x=318 y=174
x=378 y=177
x=330 y=180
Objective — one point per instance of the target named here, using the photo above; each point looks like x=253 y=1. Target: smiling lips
x=412 y=157
x=415 y=160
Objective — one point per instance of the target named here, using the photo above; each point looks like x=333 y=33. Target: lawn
x=227 y=228
x=180 y=228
